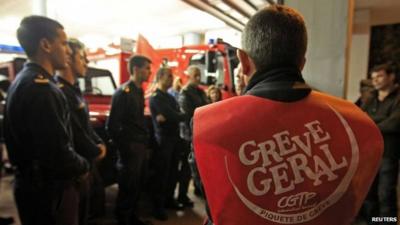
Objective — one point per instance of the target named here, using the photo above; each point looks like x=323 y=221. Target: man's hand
x=103 y=151
x=160 y=118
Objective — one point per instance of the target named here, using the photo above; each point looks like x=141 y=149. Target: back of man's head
x=161 y=72
x=33 y=29
x=137 y=61
x=193 y=70
x=274 y=37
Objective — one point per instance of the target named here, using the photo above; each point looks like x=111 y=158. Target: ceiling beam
x=233 y=4
x=222 y=12
x=272 y=2
x=251 y=4
x=216 y=13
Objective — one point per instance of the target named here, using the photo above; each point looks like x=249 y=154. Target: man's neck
x=45 y=64
x=136 y=81
x=194 y=84
x=68 y=76
x=162 y=88
x=382 y=94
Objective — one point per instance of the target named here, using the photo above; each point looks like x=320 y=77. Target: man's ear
x=248 y=67
x=45 y=45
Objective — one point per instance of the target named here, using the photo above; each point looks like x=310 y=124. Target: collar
x=282 y=84
x=41 y=70
x=393 y=92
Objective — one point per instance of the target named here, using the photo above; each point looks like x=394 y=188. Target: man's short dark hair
x=137 y=61
x=275 y=36
x=385 y=67
x=32 y=29
x=75 y=45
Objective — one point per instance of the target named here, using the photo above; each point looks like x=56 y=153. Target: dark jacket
x=284 y=85
x=386 y=115
x=126 y=122
x=190 y=98
x=85 y=138
x=165 y=104
x=37 y=127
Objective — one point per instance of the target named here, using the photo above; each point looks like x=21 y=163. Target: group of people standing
x=171 y=110
x=47 y=129
x=54 y=148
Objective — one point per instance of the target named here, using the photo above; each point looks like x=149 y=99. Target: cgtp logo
x=297 y=201
x=285 y=167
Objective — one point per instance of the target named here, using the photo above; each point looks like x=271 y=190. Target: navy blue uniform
x=85 y=138
x=167 y=136
x=126 y=127
x=39 y=143
x=85 y=141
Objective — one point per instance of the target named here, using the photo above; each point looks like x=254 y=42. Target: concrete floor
x=193 y=216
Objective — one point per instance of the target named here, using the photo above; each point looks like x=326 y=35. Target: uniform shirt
x=386 y=115
x=126 y=120
x=85 y=138
x=165 y=104
x=37 y=127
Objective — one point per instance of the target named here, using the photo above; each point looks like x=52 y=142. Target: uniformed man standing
x=87 y=143
x=37 y=129
x=127 y=129
x=166 y=117
x=191 y=97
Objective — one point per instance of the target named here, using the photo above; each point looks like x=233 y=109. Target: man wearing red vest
x=282 y=153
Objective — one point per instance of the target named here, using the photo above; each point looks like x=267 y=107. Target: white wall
x=327 y=25
x=359 y=54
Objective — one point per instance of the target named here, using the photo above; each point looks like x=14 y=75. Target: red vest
x=268 y=162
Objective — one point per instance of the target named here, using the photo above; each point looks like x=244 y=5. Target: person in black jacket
x=38 y=129
x=191 y=97
x=87 y=143
x=384 y=109
x=166 y=116
x=127 y=129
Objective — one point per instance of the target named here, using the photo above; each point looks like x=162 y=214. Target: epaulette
x=153 y=94
x=40 y=79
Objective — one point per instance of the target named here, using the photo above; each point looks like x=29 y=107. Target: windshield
x=208 y=78
x=97 y=82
